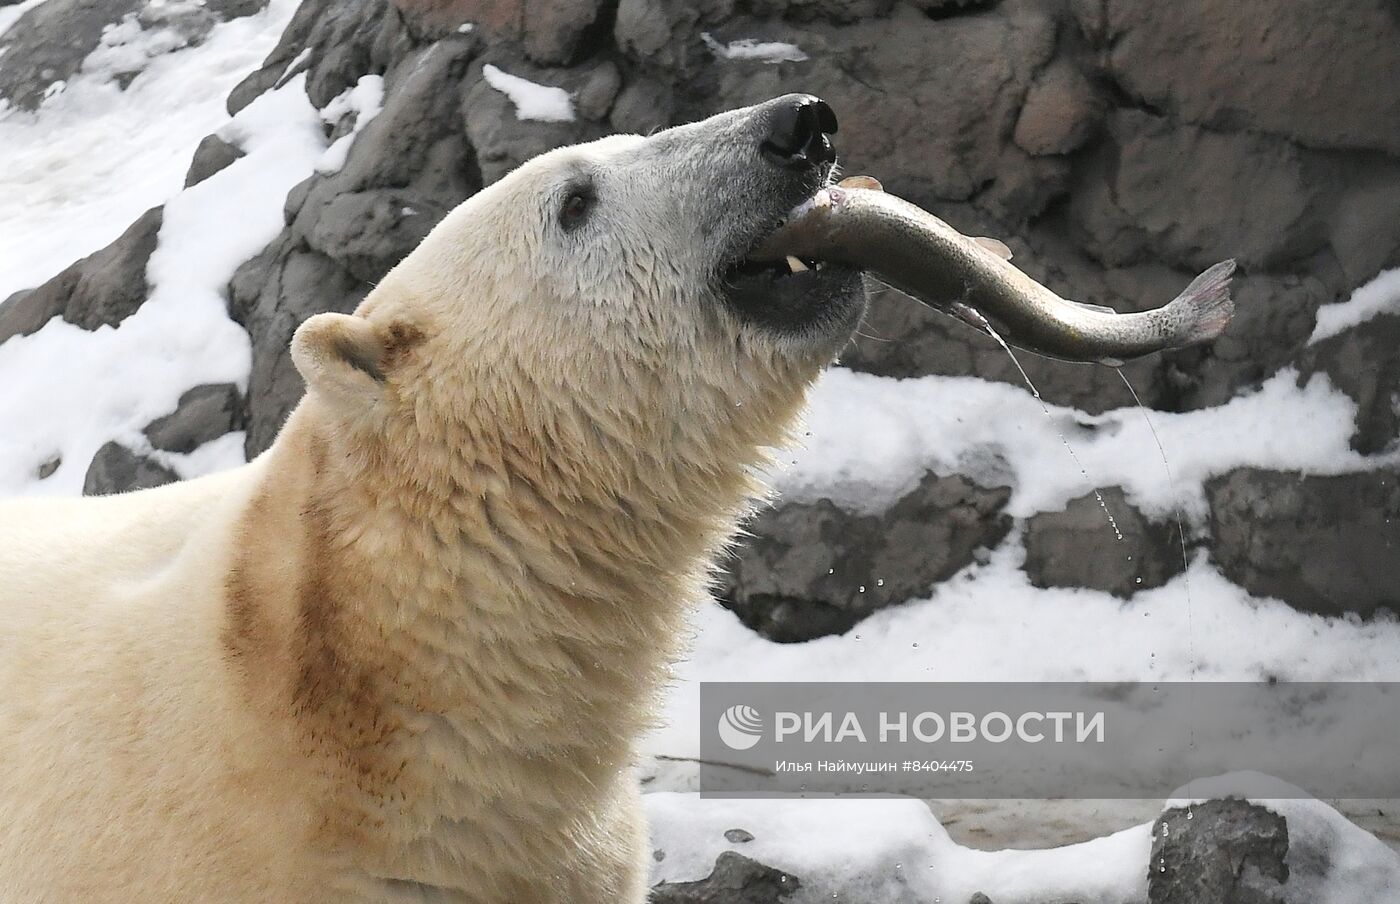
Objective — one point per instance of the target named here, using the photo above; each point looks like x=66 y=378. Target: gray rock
x=370 y=231
x=337 y=42
x=1191 y=197
x=432 y=20
x=666 y=33
x=927 y=126
x=117 y=469
x=643 y=107
x=405 y=170
x=102 y=289
x=1246 y=64
x=738 y=836
x=1228 y=852
x=48 y=467
x=980 y=898
x=1024 y=186
x=1363 y=230
x=812 y=569
x=211 y=155
x=596 y=97
x=1364 y=362
x=271 y=295
x=840 y=12
x=503 y=141
x=204 y=413
x=735 y=880
x=49 y=43
x=1329 y=545
x=554 y=29
x=1079 y=547
x=27 y=310
x=341 y=46
x=1060 y=112
x=234 y=9
x=416 y=140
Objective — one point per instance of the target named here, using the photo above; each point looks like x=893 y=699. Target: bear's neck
x=476 y=614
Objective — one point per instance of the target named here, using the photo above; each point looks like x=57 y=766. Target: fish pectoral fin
x=970 y=316
x=995 y=246
x=1098 y=308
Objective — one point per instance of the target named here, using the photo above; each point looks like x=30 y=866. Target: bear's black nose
x=798 y=130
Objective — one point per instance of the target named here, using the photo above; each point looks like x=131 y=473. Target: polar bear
x=406 y=654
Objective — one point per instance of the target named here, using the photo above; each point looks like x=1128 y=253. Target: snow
x=750 y=49
x=127 y=46
x=871 y=438
x=112 y=382
x=891 y=851
x=9 y=15
x=1379 y=296
x=79 y=170
x=364 y=100
x=989 y=623
x=542 y=103
x=895 y=852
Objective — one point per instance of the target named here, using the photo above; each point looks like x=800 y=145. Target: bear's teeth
x=795 y=265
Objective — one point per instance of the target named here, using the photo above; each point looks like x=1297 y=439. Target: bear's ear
x=341 y=356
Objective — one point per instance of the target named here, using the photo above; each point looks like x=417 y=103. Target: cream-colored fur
x=406 y=653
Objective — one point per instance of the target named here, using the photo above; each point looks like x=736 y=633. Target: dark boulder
x=204 y=413
x=102 y=289
x=211 y=155
x=735 y=880
x=1329 y=545
x=1080 y=547
x=1218 y=852
x=812 y=569
x=1363 y=362
x=117 y=469
x=49 y=43
x=1238 y=65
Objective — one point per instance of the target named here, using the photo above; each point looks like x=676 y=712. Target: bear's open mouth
x=757 y=282
x=757 y=272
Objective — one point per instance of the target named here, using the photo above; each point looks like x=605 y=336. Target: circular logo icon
x=740 y=727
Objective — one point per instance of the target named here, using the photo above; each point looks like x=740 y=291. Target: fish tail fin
x=1205 y=306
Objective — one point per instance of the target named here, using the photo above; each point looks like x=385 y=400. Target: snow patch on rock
x=1379 y=296
x=113 y=382
x=533 y=101
x=753 y=50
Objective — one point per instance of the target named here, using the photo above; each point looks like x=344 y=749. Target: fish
x=857 y=224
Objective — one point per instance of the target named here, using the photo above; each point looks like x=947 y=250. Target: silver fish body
x=912 y=250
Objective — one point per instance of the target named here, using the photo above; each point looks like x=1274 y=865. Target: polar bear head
x=602 y=291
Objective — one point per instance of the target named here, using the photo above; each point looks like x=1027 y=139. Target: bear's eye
x=578 y=203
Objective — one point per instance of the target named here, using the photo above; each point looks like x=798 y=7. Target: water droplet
x=880 y=582
x=862 y=588
x=916 y=644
